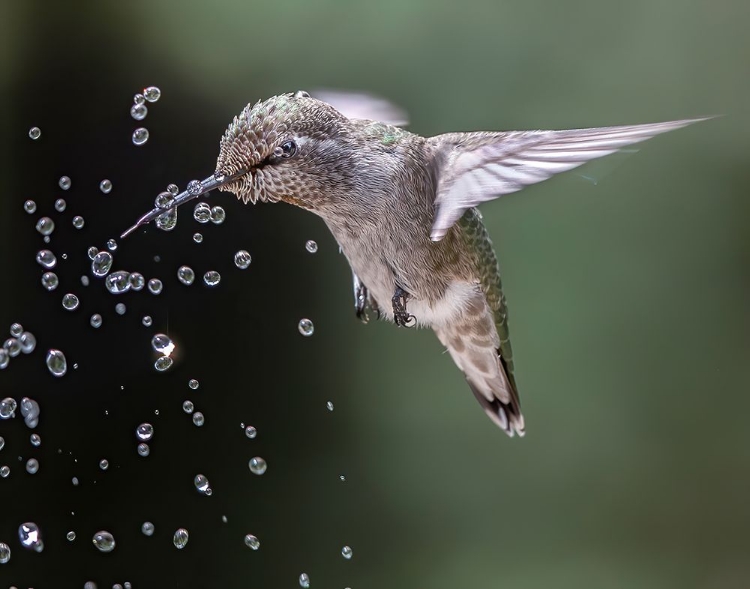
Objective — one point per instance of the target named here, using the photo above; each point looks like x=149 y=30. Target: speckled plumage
x=401 y=207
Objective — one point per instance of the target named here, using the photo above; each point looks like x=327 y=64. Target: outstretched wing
x=477 y=167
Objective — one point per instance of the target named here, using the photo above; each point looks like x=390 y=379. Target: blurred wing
x=477 y=167
x=356 y=105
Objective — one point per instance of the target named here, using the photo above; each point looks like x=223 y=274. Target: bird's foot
x=360 y=303
x=401 y=317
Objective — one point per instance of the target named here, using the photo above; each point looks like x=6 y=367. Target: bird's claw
x=401 y=316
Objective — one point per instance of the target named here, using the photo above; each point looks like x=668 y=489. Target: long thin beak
x=206 y=185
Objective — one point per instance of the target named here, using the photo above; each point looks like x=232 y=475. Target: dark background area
x=628 y=301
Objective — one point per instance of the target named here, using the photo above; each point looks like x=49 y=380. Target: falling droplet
x=78 y=222
x=96 y=321
x=70 y=302
x=155 y=286
x=60 y=205
x=45 y=226
x=144 y=432
x=143 y=449
x=32 y=465
x=212 y=278
x=71 y=536
x=4 y=548
x=138 y=112
x=257 y=465
x=186 y=275
x=329 y=405
x=56 y=362
x=104 y=541
x=120 y=308
x=4 y=471
x=242 y=259
x=346 y=552
x=104 y=464
x=65 y=182
x=162 y=344
x=50 y=281
x=30 y=536
x=147 y=528
x=140 y=136
x=198 y=419
x=198 y=237
x=111 y=245
x=118 y=282
x=137 y=281
x=30 y=207
x=180 y=538
x=187 y=407
x=105 y=186
x=311 y=246
x=251 y=432
x=7 y=408
x=304 y=581
x=193 y=384
x=306 y=327
x=36 y=440
x=202 y=212
x=163 y=363
x=202 y=484
x=35 y=133
x=218 y=215
x=46 y=259
x=16 y=329
x=147 y=321
x=152 y=93
x=91 y=252
x=101 y=264
x=139 y=98
x=252 y=542
x=12 y=346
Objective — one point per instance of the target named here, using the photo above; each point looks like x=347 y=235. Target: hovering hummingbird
x=402 y=209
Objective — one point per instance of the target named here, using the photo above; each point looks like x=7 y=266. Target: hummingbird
x=402 y=208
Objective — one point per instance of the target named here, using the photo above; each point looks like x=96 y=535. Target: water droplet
x=50 y=281
x=104 y=541
x=242 y=259
x=12 y=346
x=138 y=112
x=4 y=548
x=35 y=133
x=202 y=212
x=152 y=93
x=4 y=471
x=2 y=442
x=56 y=362
x=139 y=98
x=202 y=484
x=36 y=440
x=224 y=518
x=198 y=419
x=111 y=245
x=147 y=321
x=218 y=215
x=74 y=480
x=32 y=465
x=4 y=359
x=162 y=344
x=96 y=321
x=137 y=281
x=8 y=408
x=46 y=259
x=140 y=136
x=342 y=478
x=118 y=282
x=78 y=222
x=185 y=275
x=194 y=187
x=180 y=538
x=91 y=252
x=60 y=205
x=251 y=432
x=311 y=246
x=30 y=536
x=173 y=189
x=306 y=327
x=16 y=329
x=104 y=464
x=105 y=186
x=84 y=280
x=193 y=384
x=329 y=406
x=304 y=580
x=257 y=465
x=143 y=449
x=164 y=200
x=252 y=542
x=101 y=264
x=28 y=342
x=30 y=207
x=198 y=237
x=70 y=536
x=144 y=432
x=65 y=182
x=346 y=552
x=120 y=308
x=29 y=408
x=187 y=407
x=163 y=363
x=167 y=220
x=45 y=226
x=155 y=286
x=147 y=528
x=70 y=302
x=212 y=278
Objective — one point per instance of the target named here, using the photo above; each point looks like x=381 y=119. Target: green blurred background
x=628 y=297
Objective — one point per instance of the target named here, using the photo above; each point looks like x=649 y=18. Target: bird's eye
x=286 y=149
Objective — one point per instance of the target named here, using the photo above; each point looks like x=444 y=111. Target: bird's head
x=284 y=148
